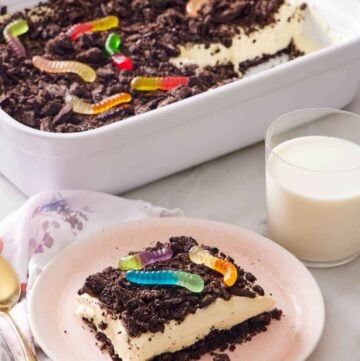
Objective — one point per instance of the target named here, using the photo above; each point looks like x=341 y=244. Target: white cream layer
x=221 y=315
x=289 y=26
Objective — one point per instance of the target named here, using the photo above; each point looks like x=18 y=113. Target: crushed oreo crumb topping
x=152 y=31
x=149 y=308
x=220 y=356
x=3 y=10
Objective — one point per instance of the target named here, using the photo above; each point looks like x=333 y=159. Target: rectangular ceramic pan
x=138 y=150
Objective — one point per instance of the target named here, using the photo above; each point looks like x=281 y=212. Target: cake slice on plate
x=196 y=300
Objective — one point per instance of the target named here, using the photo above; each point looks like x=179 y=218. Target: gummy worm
x=112 y=44
x=122 y=62
x=81 y=107
x=199 y=255
x=158 y=83
x=112 y=48
x=87 y=73
x=11 y=33
x=145 y=258
x=97 y=25
x=194 y=6
x=192 y=282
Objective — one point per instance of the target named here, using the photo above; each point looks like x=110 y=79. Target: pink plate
x=63 y=336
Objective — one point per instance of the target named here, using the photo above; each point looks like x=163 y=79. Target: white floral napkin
x=46 y=224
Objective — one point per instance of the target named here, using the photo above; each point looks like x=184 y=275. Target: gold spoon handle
x=25 y=347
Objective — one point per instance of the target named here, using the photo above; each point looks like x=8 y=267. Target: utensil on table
x=10 y=292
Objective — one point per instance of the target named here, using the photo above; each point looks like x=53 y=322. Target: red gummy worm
x=169 y=83
x=77 y=30
x=122 y=62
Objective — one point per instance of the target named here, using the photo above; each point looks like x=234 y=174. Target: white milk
x=315 y=213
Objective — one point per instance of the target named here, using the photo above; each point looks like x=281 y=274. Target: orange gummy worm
x=228 y=269
x=199 y=255
x=81 y=107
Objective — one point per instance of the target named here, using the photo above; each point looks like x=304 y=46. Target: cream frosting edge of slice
x=289 y=26
x=221 y=315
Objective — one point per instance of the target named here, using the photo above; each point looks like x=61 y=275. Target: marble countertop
x=232 y=189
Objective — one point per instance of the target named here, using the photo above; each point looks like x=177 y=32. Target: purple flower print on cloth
x=58 y=206
x=45 y=242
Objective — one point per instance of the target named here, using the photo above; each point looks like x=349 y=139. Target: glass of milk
x=313 y=185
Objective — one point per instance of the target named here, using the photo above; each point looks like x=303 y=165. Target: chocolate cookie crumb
x=152 y=33
x=144 y=309
x=3 y=10
x=148 y=309
x=103 y=326
x=220 y=356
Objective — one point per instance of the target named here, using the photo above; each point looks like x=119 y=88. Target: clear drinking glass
x=313 y=185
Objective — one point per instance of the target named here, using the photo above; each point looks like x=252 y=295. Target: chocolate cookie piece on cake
x=161 y=40
x=137 y=323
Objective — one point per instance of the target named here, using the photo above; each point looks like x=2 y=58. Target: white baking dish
x=146 y=147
